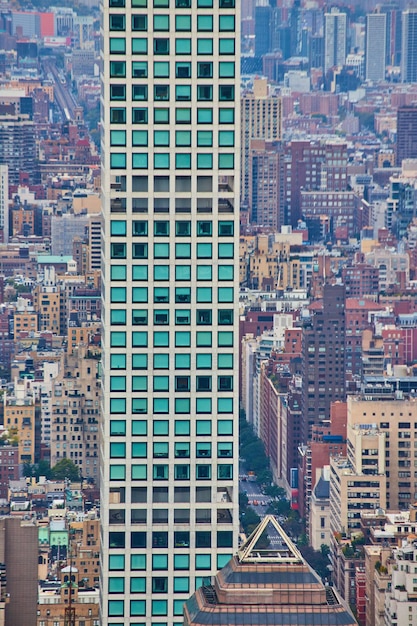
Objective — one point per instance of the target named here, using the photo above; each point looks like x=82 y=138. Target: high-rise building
x=335 y=38
x=18 y=147
x=4 y=202
x=169 y=427
x=393 y=33
x=266 y=189
x=409 y=46
x=261 y=118
x=375 y=46
x=323 y=358
x=263 y=15
x=406 y=133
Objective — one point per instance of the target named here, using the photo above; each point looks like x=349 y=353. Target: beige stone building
x=261 y=118
x=19 y=419
x=74 y=412
x=377 y=579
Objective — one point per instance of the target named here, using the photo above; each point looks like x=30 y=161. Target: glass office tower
x=170 y=189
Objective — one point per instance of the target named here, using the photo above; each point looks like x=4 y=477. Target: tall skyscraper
x=335 y=38
x=375 y=46
x=263 y=15
x=4 y=202
x=406 y=133
x=409 y=46
x=170 y=193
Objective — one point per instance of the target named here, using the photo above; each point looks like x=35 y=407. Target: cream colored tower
x=170 y=197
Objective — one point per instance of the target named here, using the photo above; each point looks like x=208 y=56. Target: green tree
x=316 y=560
x=65 y=469
x=273 y=491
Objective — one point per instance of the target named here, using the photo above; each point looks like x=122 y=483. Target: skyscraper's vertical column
x=170 y=196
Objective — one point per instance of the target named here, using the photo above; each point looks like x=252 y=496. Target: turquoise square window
x=139 y=472
x=225 y=472
x=182 y=339
x=116 y=584
x=204 y=138
x=139 y=138
x=118 y=138
x=118 y=317
x=139 y=405
x=204 y=361
x=116 y=608
x=225 y=294
x=161 y=69
x=204 y=46
x=226 y=46
x=161 y=116
x=137 y=607
x=118 y=361
x=139 y=339
x=225 y=427
x=159 y=561
x=117 y=562
x=161 y=22
x=161 y=138
x=118 y=272
x=183 y=93
x=138 y=562
x=139 y=45
x=139 y=317
x=203 y=405
x=182 y=427
x=183 y=161
x=205 y=23
x=117 y=450
x=118 y=428
x=138 y=585
x=118 y=227
x=118 y=339
x=139 y=428
x=205 y=116
x=161 y=383
x=226 y=70
x=161 y=161
x=161 y=405
x=117 y=69
x=118 y=160
x=183 y=23
x=118 y=405
x=139 y=450
x=226 y=138
x=182 y=405
x=160 y=450
x=139 y=160
x=161 y=428
x=161 y=361
x=225 y=250
x=181 y=561
x=203 y=561
x=161 y=339
x=225 y=339
x=139 y=294
x=182 y=361
x=203 y=427
x=140 y=272
x=226 y=161
x=161 y=251
x=117 y=472
x=204 y=294
x=226 y=23
x=181 y=584
x=139 y=361
x=225 y=405
x=204 y=250
x=183 y=46
x=183 y=272
x=225 y=272
x=204 y=272
x=204 y=161
x=226 y=116
x=183 y=138
x=117 y=45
